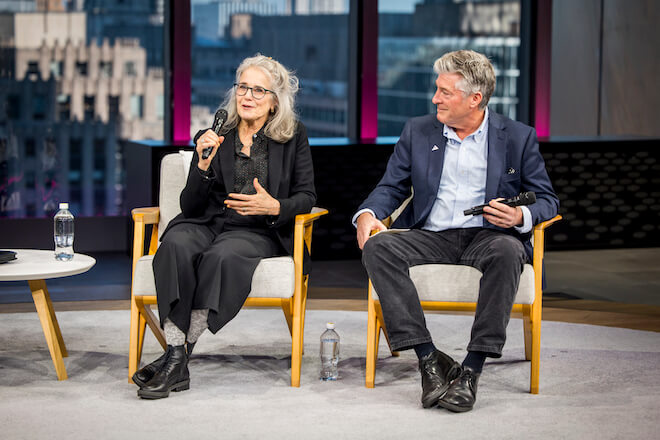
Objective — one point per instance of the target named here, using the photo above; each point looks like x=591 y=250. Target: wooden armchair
x=277 y=281
x=459 y=291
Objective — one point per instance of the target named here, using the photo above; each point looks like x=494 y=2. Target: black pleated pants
x=198 y=267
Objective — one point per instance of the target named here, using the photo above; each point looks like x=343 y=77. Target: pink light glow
x=542 y=77
x=181 y=71
x=369 y=99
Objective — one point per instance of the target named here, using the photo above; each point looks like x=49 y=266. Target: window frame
x=533 y=83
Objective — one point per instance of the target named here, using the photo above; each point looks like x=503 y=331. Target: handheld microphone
x=218 y=122
x=525 y=198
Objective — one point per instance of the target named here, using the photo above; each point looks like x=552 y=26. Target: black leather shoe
x=144 y=375
x=173 y=376
x=462 y=392
x=438 y=370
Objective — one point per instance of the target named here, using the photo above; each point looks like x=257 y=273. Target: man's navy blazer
x=514 y=165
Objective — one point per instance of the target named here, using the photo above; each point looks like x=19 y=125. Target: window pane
x=65 y=108
x=312 y=41
x=136 y=106
x=412 y=37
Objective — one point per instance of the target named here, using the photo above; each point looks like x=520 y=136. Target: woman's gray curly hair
x=281 y=125
x=477 y=72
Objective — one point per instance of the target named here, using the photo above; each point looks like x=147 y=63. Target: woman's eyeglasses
x=258 y=92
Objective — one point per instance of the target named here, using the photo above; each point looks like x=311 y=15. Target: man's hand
x=366 y=223
x=503 y=215
x=260 y=203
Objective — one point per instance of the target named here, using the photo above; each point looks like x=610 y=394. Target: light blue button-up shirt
x=463 y=181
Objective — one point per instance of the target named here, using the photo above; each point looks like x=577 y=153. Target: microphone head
x=527 y=198
x=220 y=118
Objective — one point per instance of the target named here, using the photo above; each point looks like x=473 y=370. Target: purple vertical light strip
x=180 y=44
x=369 y=69
x=542 y=67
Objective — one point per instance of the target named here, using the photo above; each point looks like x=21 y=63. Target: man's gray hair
x=477 y=72
x=282 y=124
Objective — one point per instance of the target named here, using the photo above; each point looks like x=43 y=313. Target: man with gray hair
x=462 y=156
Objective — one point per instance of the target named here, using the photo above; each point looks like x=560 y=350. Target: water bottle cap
x=64 y=206
x=330 y=326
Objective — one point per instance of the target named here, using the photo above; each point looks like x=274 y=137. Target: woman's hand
x=260 y=203
x=208 y=140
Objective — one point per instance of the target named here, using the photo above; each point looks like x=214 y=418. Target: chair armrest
x=149 y=215
x=302 y=235
x=306 y=219
x=539 y=247
x=141 y=218
x=547 y=223
x=539 y=236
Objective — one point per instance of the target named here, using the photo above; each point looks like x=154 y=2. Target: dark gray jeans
x=499 y=257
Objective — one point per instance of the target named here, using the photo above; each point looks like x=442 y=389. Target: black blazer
x=290 y=181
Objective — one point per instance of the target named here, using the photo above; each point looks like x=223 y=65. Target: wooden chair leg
x=373 y=335
x=536 y=350
x=296 y=349
x=287 y=309
x=381 y=321
x=527 y=331
x=49 y=325
x=142 y=326
x=154 y=325
x=134 y=343
x=303 y=312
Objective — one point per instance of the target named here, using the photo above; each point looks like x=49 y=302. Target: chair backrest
x=172 y=181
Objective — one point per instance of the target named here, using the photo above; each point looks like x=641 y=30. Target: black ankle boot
x=438 y=370
x=173 y=376
x=144 y=375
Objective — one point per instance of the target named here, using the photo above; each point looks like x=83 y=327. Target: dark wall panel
x=609 y=193
x=575 y=65
x=92 y=234
x=631 y=67
x=605 y=67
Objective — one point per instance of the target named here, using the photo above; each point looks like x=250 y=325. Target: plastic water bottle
x=63 y=233
x=329 y=353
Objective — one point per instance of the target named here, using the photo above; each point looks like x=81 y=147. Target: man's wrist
x=362 y=216
x=521 y=217
x=359 y=213
x=526 y=224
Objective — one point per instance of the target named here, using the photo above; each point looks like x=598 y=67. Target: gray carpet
x=596 y=383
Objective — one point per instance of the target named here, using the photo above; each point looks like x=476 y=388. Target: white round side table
x=35 y=267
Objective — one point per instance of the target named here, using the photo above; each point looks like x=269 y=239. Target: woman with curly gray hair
x=238 y=206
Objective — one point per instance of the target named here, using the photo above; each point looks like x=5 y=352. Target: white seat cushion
x=456 y=283
x=273 y=278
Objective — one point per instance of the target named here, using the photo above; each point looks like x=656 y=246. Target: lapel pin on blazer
x=435 y=147
x=511 y=171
